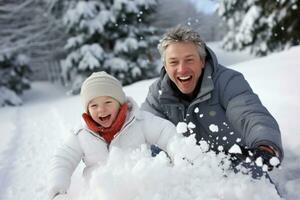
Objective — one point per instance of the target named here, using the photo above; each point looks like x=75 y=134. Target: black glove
x=262 y=155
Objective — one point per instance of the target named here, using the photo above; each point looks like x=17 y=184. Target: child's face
x=104 y=110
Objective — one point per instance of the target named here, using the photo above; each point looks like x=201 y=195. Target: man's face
x=183 y=65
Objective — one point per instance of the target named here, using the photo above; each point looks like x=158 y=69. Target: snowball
x=274 y=161
x=220 y=148
x=259 y=161
x=213 y=128
x=196 y=110
x=235 y=149
x=191 y=125
x=204 y=146
x=248 y=160
x=250 y=153
x=181 y=127
x=265 y=168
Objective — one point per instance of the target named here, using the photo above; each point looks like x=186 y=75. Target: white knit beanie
x=101 y=84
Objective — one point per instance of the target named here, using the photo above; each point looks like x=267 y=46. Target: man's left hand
x=265 y=157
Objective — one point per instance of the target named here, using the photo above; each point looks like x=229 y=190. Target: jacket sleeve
x=246 y=112
x=63 y=164
x=159 y=131
x=151 y=103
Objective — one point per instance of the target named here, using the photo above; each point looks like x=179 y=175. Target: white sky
x=31 y=133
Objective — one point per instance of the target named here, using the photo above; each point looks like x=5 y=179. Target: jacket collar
x=132 y=114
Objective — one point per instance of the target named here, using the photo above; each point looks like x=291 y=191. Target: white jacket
x=140 y=127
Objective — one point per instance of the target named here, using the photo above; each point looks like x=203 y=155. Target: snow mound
x=135 y=175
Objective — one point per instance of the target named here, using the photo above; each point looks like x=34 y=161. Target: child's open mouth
x=105 y=118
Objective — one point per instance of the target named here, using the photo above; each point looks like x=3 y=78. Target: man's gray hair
x=181 y=34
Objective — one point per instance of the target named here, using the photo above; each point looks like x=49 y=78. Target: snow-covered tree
x=29 y=27
x=114 y=36
x=14 y=73
x=263 y=26
x=209 y=25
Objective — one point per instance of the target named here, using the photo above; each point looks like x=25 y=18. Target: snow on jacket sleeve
x=246 y=112
x=63 y=164
x=151 y=103
x=158 y=131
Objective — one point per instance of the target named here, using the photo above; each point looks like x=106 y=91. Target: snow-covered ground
x=31 y=133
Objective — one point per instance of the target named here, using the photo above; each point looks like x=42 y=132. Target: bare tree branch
x=27 y=26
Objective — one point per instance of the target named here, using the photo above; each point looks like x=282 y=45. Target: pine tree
x=114 y=36
x=14 y=73
x=264 y=26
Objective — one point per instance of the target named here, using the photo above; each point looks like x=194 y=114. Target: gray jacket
x=225 y=110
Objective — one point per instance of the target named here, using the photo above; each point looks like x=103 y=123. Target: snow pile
x=129 y=175
x=9 y=97
x=31 y=133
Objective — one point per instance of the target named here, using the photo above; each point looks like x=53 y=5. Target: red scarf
x=107 y=133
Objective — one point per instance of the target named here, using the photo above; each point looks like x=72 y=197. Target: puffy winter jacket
x=140 y=127
x=225 y=111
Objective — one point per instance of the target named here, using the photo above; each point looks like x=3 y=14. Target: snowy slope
x=31 y=133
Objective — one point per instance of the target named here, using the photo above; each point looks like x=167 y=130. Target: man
x=194 y=88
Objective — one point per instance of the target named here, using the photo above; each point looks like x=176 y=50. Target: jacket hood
x=211 y=58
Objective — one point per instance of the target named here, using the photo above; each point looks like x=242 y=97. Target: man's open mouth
x=184 y=78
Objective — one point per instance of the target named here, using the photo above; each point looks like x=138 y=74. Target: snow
x=181 y=127
x=196 y=110
x=97 y=24
x=126 y=45
x=235 y=149
x=91 y=54
x=245 y=31
x=74 y=41
x=32 y=132
x=23 y=59
x=213 y=128
x=274 y=161
x=115 y=64
x=8 y=96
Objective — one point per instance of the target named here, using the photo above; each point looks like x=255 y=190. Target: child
x=109 y=119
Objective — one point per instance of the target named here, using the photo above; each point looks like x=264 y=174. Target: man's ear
x=202 y=63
